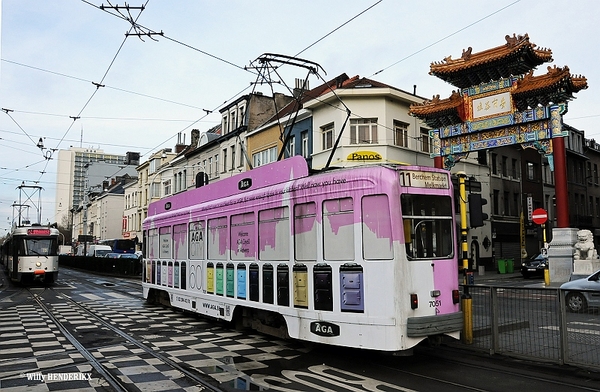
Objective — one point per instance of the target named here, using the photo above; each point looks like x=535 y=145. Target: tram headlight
x=38 y=264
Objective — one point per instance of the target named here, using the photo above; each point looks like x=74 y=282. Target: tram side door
x=14 y=258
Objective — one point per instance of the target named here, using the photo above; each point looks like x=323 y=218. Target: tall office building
x=73 y=178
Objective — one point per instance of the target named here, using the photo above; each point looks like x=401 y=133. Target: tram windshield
x=37 y=247
x=427 y=226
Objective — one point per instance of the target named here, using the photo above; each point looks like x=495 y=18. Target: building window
x=327 y=134
x=233 y=123
x=496 y=201
x=167 y=187
x=242 y=154
x=304 y=137
x=530 y=171
x=224 y=160
x=505 y=166
x=363 y=130
x=155 y=190
x=515 y=174
x=400 y=133
x=241 y=116
x=291 y=147
x=154 y=165
x=425 y=140
x=506 y=203
x=494 y=164
x=233 y=157
x=264 y=157
x=224 y=125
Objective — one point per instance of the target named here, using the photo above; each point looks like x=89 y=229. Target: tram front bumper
x=434 y=325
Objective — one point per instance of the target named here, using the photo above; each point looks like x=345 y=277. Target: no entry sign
x=539 y=216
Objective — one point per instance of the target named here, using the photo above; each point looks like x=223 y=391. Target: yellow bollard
x=547 y=276
x=467 y=309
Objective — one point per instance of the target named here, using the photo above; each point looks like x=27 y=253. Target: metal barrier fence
x=534 y=323
x=109 y=266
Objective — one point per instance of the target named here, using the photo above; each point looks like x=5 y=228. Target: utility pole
x=467 y=301
x=85 y=208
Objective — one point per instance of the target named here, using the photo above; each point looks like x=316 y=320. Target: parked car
x=582 y=293
x=112 y=255
x=534 y=266
x=129 y=256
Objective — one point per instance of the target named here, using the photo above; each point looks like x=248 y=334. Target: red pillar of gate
x=438 y=162
x=560 y=182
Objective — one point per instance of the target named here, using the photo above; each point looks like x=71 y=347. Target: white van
x=98 y=250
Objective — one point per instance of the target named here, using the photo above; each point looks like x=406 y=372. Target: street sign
x=539 y=216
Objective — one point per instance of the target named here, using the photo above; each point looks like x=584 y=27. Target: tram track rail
x=553 y=376
x=106 y=328
x=97 y=365
x=103 y=371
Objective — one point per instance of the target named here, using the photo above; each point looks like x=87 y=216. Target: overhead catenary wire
x=200 y=51
x=445 y=38
x=337 y=28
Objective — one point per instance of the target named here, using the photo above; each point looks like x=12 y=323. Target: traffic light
x=476 y=215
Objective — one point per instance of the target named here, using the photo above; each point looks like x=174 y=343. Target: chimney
x=180 y=146
x=132 y=158
x=300 y=88
x=195 y=138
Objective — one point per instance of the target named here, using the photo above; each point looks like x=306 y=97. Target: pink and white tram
x=358 y=257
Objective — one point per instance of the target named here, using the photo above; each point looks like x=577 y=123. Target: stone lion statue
x=584 y=247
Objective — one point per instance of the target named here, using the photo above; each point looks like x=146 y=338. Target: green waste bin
x=510 y=266
x=501 y=266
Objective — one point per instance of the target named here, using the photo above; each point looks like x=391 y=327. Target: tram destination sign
x=424 y=179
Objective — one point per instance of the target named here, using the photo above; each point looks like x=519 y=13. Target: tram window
x=338 y=229
x=274 y=234
x=243 y=237
x=165 y=242
x=377 y=228
x=152 y=243
x=305 y=231
x=217 y=238
x=197 y=240
x=427 y=222
x=37 y=247
x=180 y=242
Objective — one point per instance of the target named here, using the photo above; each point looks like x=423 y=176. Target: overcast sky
x=55 y=53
